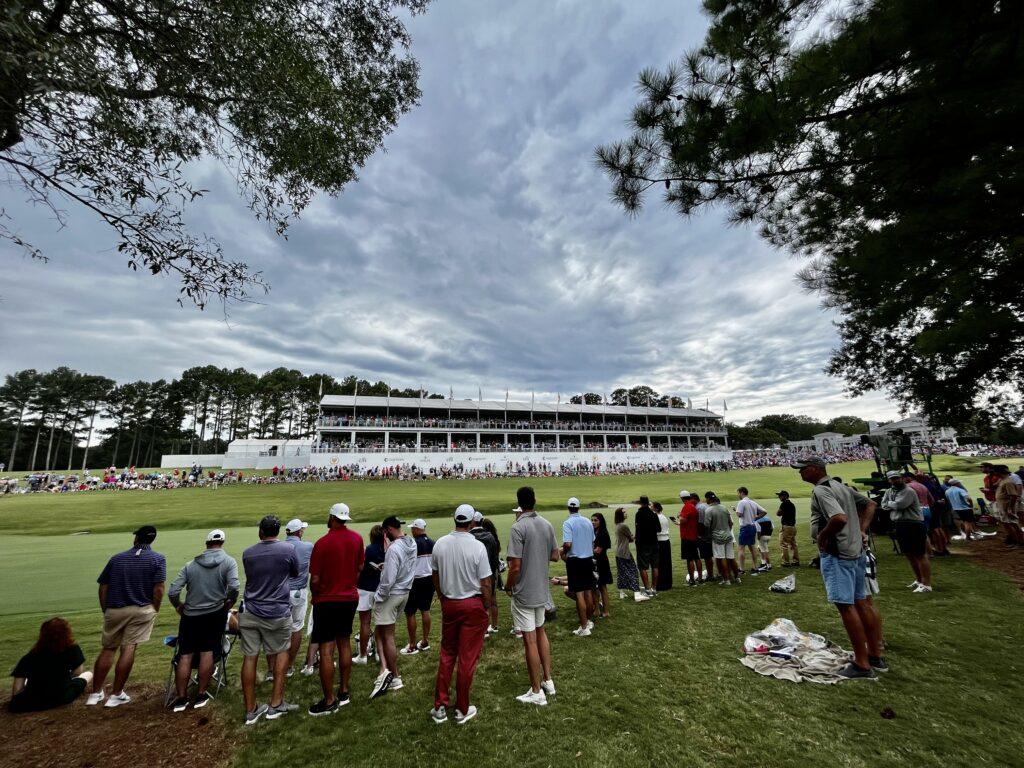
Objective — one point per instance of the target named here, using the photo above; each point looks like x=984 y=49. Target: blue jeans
x=844 y=579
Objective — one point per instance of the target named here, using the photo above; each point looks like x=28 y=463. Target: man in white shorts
x=298 y=592
x=389 y=601
x=531 y=548
x=722 y=543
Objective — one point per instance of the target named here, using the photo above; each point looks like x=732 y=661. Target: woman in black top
x=51 y=674
x=602 y=543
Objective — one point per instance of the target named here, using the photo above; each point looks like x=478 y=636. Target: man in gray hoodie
x=389 y=601
x=210 y=582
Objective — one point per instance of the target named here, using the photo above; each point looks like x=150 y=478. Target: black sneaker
x=852 y=672
x=878 y=664
x=796 y=563
x=180 y=704
x=342 y=698
x=322 y=708
x=202 y=700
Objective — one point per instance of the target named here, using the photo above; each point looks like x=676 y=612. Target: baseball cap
x=464 y=513
x=810 y=461
x=517 y=509
x=295 y=525
x=340 y=511
x=215 y=535
x=270 y=525
x=146 y=534
x=419 y=522
x=478 y=516
x=782 y=493
x=573 y=502
x=892 y=474
x=392 y=521
x=684 y=494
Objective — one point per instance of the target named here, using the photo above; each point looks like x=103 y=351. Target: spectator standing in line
x=483 y=530
x=298 y=592
x=210 y=582
x=627 y=576
x=334 y=568
x=747 y=511
x=904 y=509
x=765 y=529
x=1008 y=499
x=578 y=554
x=647 y=528
x=531 y=549
x=664 y=582
x=787 y=540
x=603 y=569
x=366 y=587
x=131 y=590
x=265 y=622
x=389 y=601
x=688 y=551
x=839 y=518
x=722 y=542
x=421 y=596
x=962 y=506
x=704 y=543
x=462 y=576
x=52 y=674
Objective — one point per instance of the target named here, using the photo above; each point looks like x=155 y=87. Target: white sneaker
x=462 y=719
x=269 y=677
x=439 y=715
x=359 y=661
x=548 y=686
x=703 y=575
x=94 y=699
x=622 y=595
x=381 y=684
x=958 y=537
x=117 y=699
x=308 y=670
x=396 y=684
x=539 y=698
x=492 y=630
x=913 y=585
x=920 y=588
x=590 y=624
x=581 y=632
x=515 y=632
x=640 y=597
x=409 y=651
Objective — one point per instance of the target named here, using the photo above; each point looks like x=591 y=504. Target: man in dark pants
x=647 y=529
x=836 y=519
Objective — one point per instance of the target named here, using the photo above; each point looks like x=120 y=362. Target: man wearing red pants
x=462 y=580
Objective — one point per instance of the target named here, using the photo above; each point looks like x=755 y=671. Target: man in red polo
x=333 y=571
x=688 y=518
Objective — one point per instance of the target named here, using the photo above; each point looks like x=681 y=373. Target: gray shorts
x=386 y=612
x=270 y=635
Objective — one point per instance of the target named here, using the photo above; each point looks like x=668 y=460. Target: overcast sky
x=481 y=249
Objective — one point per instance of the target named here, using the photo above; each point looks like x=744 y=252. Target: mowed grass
x=657 y=684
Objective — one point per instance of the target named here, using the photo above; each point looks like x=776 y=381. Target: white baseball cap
x=478 y=516
x=517 y=509
x=340 y=511
x=684 y=494
x=295 y=525
x=216 y=535
x=573 y=502
x=464 y=513
x=419 y=522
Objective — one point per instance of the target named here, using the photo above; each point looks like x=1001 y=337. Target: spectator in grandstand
x=421 y=596
x=389 y=601
x=131 y=590
x=531 y=549
x=52 y=674
x=627 y=576
x=265 y=623
x=722 y=542
x=298 y=594
x=483 y=530
x=787 y=539
x=334 y=567
x=578 y=554
x=904 y=507
x=366 y=587
x=210 y=581
x=602 y=567
x=1008 y=502
x=962 y=506
x=647 y=556
x=839 y=517
x=747 y=512
x=664 y=549
x=462 y=579
x=687 y=522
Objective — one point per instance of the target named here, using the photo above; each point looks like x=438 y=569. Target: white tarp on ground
x=782 y=651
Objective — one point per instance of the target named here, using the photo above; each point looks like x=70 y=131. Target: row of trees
x=48 y=420
x=780 y=428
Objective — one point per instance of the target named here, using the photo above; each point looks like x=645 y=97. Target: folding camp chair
x=219 y=679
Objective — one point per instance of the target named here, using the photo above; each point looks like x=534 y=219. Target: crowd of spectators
x=574 y=425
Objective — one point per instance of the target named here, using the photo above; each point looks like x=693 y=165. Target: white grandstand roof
x=348 y=401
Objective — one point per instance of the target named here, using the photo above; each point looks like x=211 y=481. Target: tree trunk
x=14 y=445
x=117 y=446
x=71 y=448
x=152 y=441
x=92 y=420
x=49 y=446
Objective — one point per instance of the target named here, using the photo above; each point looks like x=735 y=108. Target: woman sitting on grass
x=51 y=674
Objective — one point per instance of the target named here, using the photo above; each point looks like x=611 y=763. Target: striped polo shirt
x=131 y=576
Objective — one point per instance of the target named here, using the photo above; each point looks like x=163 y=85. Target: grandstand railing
x=514 y=426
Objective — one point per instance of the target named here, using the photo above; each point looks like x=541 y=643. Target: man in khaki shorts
x=389 y=601
x=532 y=547
x=131 y=590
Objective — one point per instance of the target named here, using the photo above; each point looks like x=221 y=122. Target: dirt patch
x=993 y=553
x=139 y=733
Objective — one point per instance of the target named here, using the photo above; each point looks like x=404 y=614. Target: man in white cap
x=493 y=547
x=462 y=578
x=421 y=597
x=210 y=581
x=298 y=594
x=333 y=571
x=578 y=554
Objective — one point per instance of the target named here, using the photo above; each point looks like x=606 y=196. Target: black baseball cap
x=782 y=493
x=270 y=525
x=392 y=522
x=146 y=534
